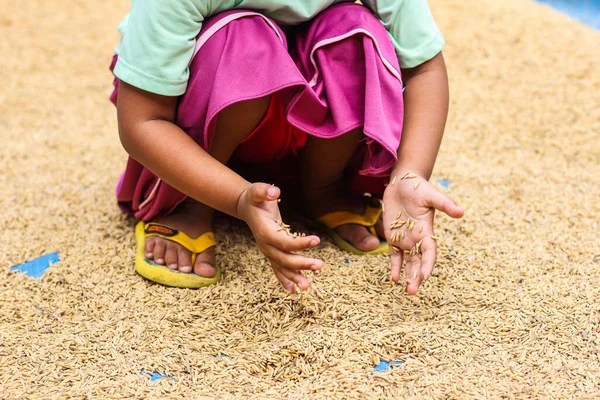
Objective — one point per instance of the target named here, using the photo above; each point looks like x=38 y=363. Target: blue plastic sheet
x=155 y=376
x=445 y=183
x=36 y=268
x=585 y=11
x=385 y=365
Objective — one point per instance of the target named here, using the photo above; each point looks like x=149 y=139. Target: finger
x=409 y=271
x=291 y=260
x=413 y=275
x=396 y=265
x=283 y=241
x=288 y=285
x=295 y=276
x=259 y=192
x=429 y=248
x=442 y=202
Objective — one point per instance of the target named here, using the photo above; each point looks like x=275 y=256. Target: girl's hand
x=410 y=202
x=257 y=206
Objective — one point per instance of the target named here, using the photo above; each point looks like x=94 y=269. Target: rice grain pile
x=511 y=310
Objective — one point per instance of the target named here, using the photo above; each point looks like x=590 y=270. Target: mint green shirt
x=158 y=36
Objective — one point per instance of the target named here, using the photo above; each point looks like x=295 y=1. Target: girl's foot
x=193 y=219
x=335 y=197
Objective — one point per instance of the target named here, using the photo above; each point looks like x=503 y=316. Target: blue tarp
x=36 y=268
x=586 y=11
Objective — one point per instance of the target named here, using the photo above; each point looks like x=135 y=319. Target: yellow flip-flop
x=368 y=219
x=163 y=275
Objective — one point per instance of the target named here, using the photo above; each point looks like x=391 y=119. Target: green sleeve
x=157 y=44
x=412 y=28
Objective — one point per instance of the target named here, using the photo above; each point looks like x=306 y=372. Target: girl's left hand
x=258 y=207
x=410 y=202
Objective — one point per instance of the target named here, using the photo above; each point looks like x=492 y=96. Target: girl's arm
x=425 y=113
x=414 y=199
x=149 y=135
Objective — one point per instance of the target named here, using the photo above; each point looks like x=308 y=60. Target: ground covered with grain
x=511 y=311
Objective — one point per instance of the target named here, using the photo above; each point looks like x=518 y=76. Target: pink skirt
x=338 y=72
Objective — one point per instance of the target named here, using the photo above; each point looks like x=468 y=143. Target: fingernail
x=315 y=267
x=172 y=266
x=160 y=261
x=272 y=192
x=149 y=255
x=314 y=242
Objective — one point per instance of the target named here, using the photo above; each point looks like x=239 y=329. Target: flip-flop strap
x=337 y=218
x=196 y=246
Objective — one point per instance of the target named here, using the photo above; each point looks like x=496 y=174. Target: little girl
x=310 y=93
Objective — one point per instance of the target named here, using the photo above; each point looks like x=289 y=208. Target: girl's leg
x=234 y=124
x=358 y=78
x=323 y=165
x=229 y=91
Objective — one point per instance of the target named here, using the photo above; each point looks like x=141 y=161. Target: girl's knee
x=235 y=123
x=246 y=111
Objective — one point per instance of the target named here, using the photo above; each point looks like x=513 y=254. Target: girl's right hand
x=257 y=206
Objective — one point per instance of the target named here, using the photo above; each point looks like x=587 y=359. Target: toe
x=185 y=260
x=205 y=263
x=359 y=236
x=171 y=256
x=149 y=248
x=160 y=248
x=379 y=228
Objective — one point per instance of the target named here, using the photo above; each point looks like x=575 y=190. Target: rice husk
x=511 y=310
